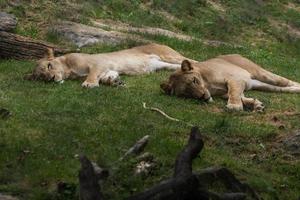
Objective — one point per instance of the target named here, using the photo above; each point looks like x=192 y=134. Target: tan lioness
x=106 y=67
x=228 y=76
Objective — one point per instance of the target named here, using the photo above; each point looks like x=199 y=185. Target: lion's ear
x=50 y=54
x=186 y=66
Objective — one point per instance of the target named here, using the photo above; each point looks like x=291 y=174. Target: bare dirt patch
x=289 y=144
x=127 y=28
x=282 y=26
x=277 y=119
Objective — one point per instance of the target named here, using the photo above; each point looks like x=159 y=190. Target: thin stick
x=165 y=115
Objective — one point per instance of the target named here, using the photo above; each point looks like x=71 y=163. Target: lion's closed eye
x=49 y=66
x=195 y=81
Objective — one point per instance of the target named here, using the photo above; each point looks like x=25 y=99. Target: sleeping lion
x=106 y=67
x=227 y=76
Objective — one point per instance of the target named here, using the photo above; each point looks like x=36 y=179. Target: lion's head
x=186 y=82
x=47 y=69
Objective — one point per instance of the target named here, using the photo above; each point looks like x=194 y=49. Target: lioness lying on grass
x=228 y=76
x=106 y=67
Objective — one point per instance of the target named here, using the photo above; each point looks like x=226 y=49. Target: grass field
x=50 y=123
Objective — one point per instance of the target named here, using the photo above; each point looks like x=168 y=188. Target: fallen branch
x=137 y=147
x=165 y=115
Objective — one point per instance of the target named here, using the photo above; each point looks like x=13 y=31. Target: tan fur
x=227 y=76
x=106 y=67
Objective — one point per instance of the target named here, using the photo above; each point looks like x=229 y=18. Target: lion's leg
x=253 y=104
x=111 y=77
x=258 y=85
x=93 y=78
x=235 y=93
x=274 y=79
x=258 y=72
x=155 y=63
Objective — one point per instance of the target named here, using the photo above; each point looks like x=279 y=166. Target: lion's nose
x=52 y=78
x=208 y=100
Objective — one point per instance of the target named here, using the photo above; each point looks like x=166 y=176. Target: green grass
x=56 y=122
x=51 y=124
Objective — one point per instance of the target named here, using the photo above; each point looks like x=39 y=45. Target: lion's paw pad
x=234 y=107
x=89 y=85
x=259 y=108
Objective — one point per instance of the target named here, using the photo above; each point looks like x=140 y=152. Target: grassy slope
x=55 y=122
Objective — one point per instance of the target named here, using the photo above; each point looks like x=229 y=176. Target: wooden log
x=8 y=22
x=24 y=48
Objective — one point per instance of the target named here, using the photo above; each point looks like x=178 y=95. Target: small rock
x=8 y=22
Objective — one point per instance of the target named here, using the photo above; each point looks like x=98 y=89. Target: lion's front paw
x=234 y=107
x=87 y=84
x=119 y=82
x=258 y=106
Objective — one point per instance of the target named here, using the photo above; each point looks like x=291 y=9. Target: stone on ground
x=83 y=35
x=8 y=22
